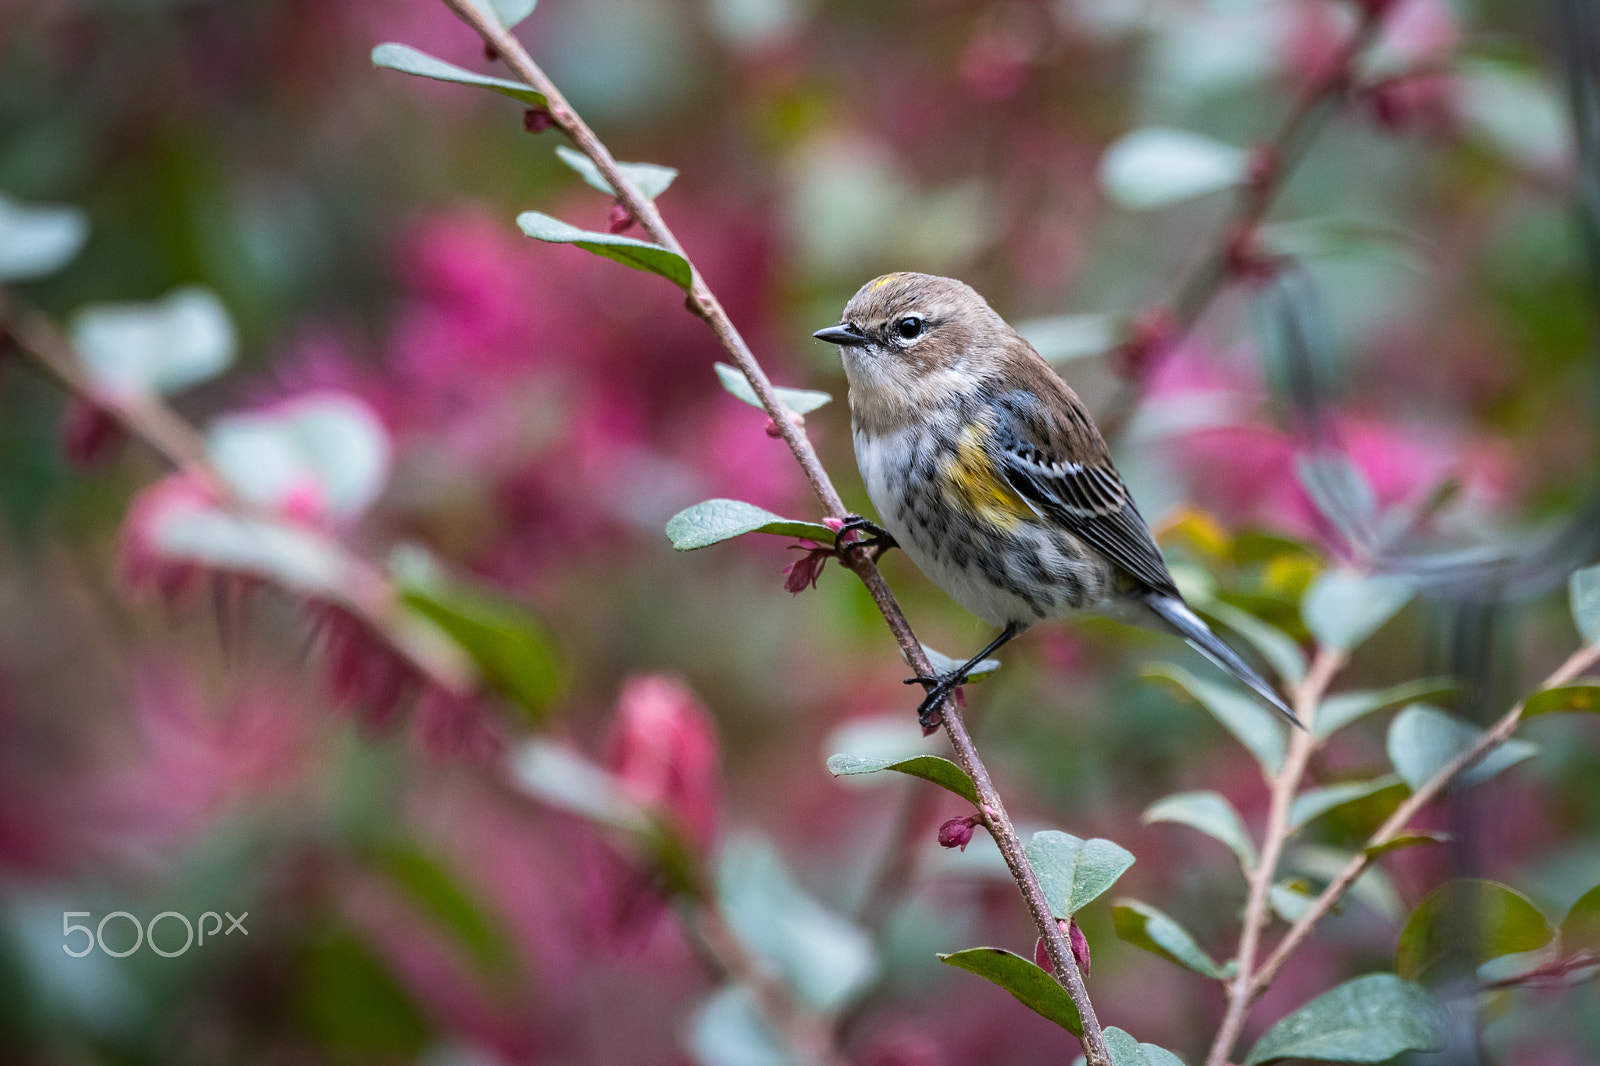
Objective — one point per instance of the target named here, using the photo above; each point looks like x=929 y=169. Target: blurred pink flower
x=663 y=750
x=195 y=761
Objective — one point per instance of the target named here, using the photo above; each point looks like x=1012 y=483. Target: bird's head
x=908 y=338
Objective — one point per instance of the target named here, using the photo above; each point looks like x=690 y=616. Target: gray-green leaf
x=1144 y=926
x=1315 y=802
x=650 y=179
x=1422 y=739
x=1276 y=647
x=1343 y=708
x=640 y=255
x=505 y=12
x=37 y=240
x=713 y=521
x=1030 y=985
x=1073 y=871
x=408 y=60
x=1342 y=609
x=941 y=772
x=1370 y=1019
x=1584 y=592
x=1125 y=1050
x=1066 y=337
x=1157 y=165
x=1257 y=728
x=1582 y=695
x=943 y=664
x=1464 y=923
x=800 y=401
x=161 y=346
x=1211 y=814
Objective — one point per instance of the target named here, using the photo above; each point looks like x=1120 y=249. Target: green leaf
x=1157 y=165
x=437 y=893
x=1211 y=814
x=1370 y=1019
x=1278 y=648
x=510 y=645
x=1422 y=739
x=1461 y=925
x=1073 y=871
x=507 y=13
x=1372 y=888
x=825 y=959
x=1257 y=728
x=943 y=664
x=729 y=1029
x=561 y=777
x=1412 y=839
x=1584 y=592
x=1342 y=609
x=1580 y=929
x=1127 y=1051
x=1313 y=803
x=1341 y=709
x=640 y=255
x=714 y=521
x=1582 y=695
x=800 y=401
x=649 y=179
x=408 y=60
x=347 y=1001
x=1033 y=988
x=36 y=240
x=1144 y=926
x=133 y=350
x=941 y=772
x=1066 y=337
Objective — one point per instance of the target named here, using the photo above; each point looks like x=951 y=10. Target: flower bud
x=957 y=832
x=537 y=119
x=89 y=434
x=621 y=218
x=807 y=569
x=663 y=751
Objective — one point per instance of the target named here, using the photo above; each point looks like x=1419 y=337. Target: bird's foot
x=877 y=541
x=938 y=689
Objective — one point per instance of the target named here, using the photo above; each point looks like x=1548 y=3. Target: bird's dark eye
x=909 y=327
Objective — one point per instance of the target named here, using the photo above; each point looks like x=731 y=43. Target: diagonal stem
x=703 y=303
x=1285 y=783
x=1580 y=661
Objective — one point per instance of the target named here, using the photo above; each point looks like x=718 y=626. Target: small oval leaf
x=1146 y=927
x=1423 y=739
x=1030 y=985
x=640 y=255
x=1343 y=708
x=650 y=179
x=1582 y=695
x=1583 y=590
x=1342 y=609
x=1073 y=871
x=1211 y=814
x=1157 y=165
x=1257 y=728
x=1315 y=802
x=713 y=521
x=941 y=772
x=36 y=240
x=800 y=401
x=132 y=350
x=1370 y=1019
x=1461 y=925
x=408 y=60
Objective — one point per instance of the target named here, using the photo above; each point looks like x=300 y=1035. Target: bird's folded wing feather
x=1087 y=496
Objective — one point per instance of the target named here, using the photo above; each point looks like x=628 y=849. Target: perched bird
x=986 y=469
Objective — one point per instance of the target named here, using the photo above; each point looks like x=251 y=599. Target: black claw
x=939 y=688
x=878 y=541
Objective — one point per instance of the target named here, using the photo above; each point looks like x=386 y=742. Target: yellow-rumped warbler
x=986 y=468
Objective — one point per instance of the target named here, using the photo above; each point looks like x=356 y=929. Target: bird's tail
x=1191 y=628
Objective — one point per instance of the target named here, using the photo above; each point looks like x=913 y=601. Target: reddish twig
x=703 y=303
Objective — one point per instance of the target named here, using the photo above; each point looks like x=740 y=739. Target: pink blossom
x=663 y=750
x=957 y=832
x=805 y=571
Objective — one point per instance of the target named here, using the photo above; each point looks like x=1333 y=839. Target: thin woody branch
x=703 y=303
x=1580 y=661
x=1274 y=162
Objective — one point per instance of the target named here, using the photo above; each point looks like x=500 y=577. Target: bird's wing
x=1070 y=480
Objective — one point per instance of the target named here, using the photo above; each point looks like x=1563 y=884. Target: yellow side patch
x=975 y=481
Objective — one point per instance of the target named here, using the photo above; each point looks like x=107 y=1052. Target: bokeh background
x=195 y=742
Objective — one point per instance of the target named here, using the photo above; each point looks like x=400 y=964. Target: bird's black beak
x=842 y=335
